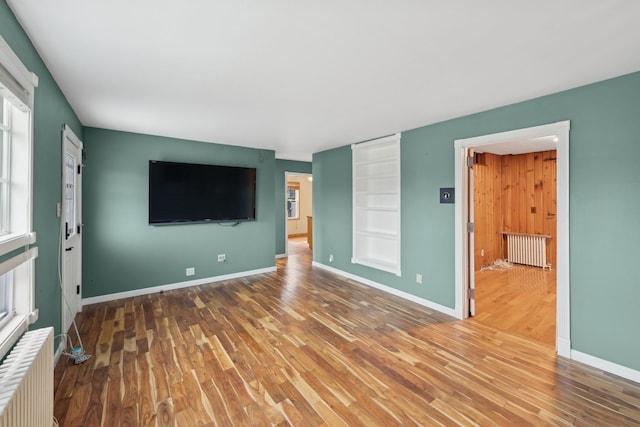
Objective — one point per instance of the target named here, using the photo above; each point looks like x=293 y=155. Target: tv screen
x=182 y=193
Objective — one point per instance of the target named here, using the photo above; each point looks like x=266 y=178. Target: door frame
x=286 y=219
x=68 y=136
x=462 y=272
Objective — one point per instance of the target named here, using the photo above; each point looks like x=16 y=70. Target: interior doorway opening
x=514 y=237
x=298 y=213
x=464 y=237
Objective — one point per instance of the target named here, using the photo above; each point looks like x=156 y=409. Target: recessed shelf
x=377 y=193
x=380 y=176
x=376 y=204
x=378 y=208
x=378 y=233
x=376 y=162
x=378 y=264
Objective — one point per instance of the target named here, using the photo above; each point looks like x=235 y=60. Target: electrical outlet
x=222 y=257
x=419 y=278
x=58 y=210
x=331 y=258
x=481 y=252
x=191 y=271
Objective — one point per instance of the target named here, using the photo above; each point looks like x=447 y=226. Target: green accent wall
x=604 y=206
x=283 y=166
x=122 y=252
x=51 y=112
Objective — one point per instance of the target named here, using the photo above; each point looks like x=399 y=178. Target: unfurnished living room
x=468 y=257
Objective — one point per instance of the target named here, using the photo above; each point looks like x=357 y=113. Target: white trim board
x=172 y=286
x=605 y=365
x=278 y=256
x=424 y=302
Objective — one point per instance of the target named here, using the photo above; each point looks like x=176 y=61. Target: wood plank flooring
x=298 y=246
x=520 y=300
x=304 y=347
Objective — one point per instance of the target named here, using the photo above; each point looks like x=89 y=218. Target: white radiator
x=26 y=382
x=527 y=249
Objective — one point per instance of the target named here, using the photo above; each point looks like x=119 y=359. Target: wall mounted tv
x=183 y=193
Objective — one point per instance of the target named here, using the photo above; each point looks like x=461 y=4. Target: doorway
x=298 y=213
x=71 y=227
x=464 y=236
x=514 y=237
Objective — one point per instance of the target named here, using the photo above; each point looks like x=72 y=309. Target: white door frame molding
x=561 y=131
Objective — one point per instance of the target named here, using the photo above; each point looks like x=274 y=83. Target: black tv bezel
x=203 y=221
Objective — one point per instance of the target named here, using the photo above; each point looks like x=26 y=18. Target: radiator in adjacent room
x=26 y=382
x=527 y=249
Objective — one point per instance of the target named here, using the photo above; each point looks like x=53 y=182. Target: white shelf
x=379 y=234
x=377 y=208
x=376 y=212
x=378 y=264
x=388 y=160
x=377 y=193
x=377 y=176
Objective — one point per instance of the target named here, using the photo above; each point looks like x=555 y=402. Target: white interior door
x=71 y=227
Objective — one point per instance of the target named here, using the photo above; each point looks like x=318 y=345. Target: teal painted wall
x=51 y=112
x=604 y=197
x=604 y=206
x=283 y=166
x=121 y=252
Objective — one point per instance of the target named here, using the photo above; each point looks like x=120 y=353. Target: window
x=69 y=195
x=293 y=200
x=17 y=309
x=6 y=297
x=5 y=139
x=376 y=204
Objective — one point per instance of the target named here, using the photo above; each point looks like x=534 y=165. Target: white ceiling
x=302 y=76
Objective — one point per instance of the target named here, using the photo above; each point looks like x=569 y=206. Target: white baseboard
x=390 y=290
x=281 y=256
x=605 y=365
x=171 y=286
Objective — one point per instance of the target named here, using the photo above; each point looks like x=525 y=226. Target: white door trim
x=561 y=131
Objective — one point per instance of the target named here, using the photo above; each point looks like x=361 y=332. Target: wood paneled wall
x=487 y=206
x=515 y=193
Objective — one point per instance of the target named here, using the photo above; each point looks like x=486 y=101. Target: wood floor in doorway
x=519 y=300
x=305 y=347
x=298 y=246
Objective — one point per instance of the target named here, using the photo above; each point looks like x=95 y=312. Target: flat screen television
x=183 y=193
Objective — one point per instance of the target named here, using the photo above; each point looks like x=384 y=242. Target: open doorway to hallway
x=298 y=214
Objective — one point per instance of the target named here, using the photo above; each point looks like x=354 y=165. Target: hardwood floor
x=298 y=246
x=304 y=347
x=520 y=300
